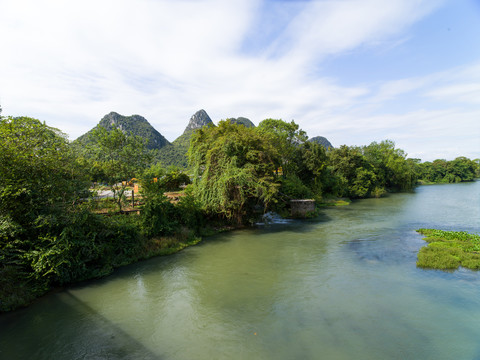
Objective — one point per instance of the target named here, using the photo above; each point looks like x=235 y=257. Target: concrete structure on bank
x=301 y=208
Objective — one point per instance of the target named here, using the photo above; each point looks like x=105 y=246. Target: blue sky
x=354 y=71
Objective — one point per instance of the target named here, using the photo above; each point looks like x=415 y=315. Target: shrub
x=294 y=188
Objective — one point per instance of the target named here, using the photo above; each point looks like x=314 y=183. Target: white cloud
x=464 y=92
x=330 y=27
x=69 y=63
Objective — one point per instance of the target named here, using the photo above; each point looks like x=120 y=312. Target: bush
x=159 y=216
x=294 y=188
x=190 y=212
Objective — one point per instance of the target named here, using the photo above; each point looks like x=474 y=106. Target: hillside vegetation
x=51 y=234
x=134 y=125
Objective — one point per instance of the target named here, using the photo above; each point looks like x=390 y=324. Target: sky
x=353 y=71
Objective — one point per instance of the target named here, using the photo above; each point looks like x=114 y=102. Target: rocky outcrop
x=321 y=141
x=198 y=120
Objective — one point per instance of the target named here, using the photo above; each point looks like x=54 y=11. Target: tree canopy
x=233 y=169
x=38 y=172
x=119 y=157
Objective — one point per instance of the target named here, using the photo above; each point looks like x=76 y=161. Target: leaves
x=449 y=250
x=120 y=157
x=233 y=169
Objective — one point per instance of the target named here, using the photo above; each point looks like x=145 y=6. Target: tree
x=233 y=170
x=312 y=165
x=392 y=170
x=38 y=172
x=288 y=137
x=120 y=157
x=461 y=169
x=40 y=185
x=353 y=171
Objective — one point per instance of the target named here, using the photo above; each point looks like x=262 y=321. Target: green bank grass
x=447 y=250
x=335 y=202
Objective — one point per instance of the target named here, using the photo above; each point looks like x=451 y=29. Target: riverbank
x=98 y=245
x=20 y=290
x=17 y=291
x=279 y=292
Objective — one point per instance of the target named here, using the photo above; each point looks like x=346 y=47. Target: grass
x=335 y=202
x=448 y=250
x=160 y=246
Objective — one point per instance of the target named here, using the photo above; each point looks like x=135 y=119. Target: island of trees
x=54 y=229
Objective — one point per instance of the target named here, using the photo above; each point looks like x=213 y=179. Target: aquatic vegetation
x=449 y=250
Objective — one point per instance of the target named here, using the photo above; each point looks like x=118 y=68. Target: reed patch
x=448 y=250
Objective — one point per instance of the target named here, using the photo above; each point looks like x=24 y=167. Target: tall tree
x=392 y=170
x=40 y=181
x=353 y=170
x=38 y=171
x=288 y=137
x=120 y=157
x=233 y=169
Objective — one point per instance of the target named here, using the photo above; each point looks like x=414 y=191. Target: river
x=342 y=286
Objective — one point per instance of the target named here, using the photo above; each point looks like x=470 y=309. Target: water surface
x=343 y=286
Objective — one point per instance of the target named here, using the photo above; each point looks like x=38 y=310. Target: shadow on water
x=47 y=333
x=340 y=286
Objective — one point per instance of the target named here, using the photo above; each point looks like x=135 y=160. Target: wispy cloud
x=69 y=63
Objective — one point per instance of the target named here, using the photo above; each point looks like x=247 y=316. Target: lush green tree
x=175 y=178
x=391 y=168
x=439 y=167
x=292 y=187
x=157 y=178
x=443 y=171
x=477 y=167
x=350 y=167
x=233 y=169
x=461 y=169
x=38 y=173
x=312 y=166
x=288 y=137
x=160 y=216
x=40 y=185
x=120 y=157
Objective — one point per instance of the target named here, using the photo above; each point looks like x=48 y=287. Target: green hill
x=176 y=152
x=241 y=121
x=135 y=125
x=322 y=141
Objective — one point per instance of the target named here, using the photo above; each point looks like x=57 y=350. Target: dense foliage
x=51 y=233
x=175 y=154
x=443 y=171
x=233 y=170
x=119 y=158
x=371 y=170
x=449 y=250
x=40 y=222
x=48 y=234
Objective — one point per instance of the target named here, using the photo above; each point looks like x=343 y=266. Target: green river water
x=342 y=286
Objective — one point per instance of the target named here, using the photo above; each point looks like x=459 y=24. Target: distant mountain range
x=173 y=153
